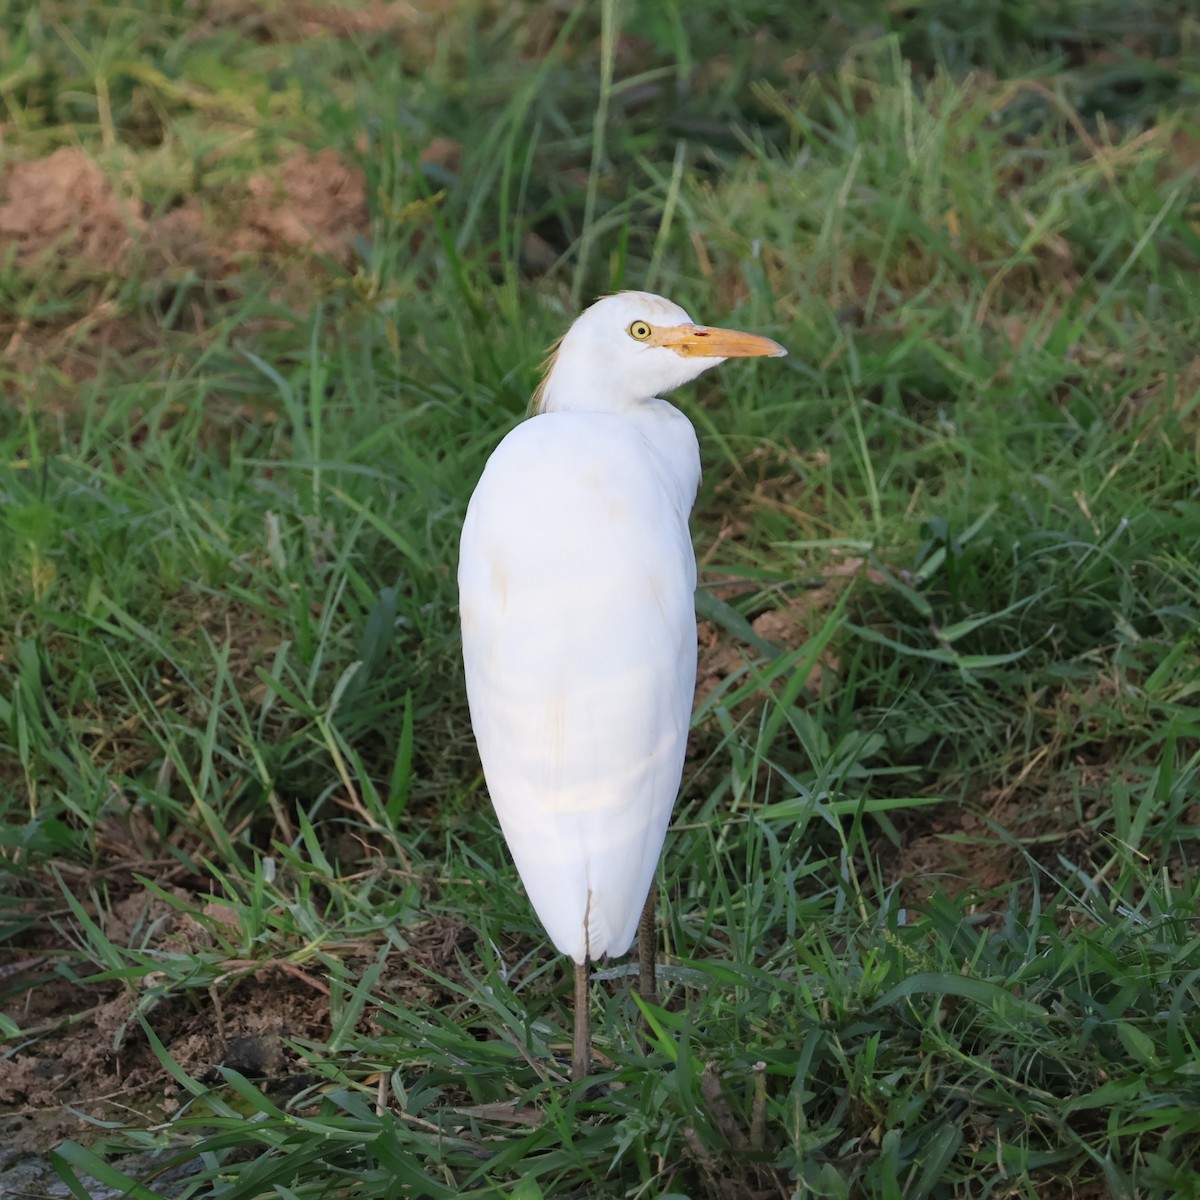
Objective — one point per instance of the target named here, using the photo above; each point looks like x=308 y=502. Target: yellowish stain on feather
x=500 y=584
x=612 y=506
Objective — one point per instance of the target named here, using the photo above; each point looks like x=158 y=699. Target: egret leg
x=581 y=1052
x=647 y=985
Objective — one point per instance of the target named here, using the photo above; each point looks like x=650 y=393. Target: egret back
x=576 y=582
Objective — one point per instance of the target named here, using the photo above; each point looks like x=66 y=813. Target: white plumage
x=576 y=583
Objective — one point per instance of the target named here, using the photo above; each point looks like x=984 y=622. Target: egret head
x=630 y=347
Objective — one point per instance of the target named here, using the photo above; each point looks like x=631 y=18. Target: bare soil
x=62 y=215
x=83 y=1043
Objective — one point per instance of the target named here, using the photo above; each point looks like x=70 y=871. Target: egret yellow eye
x=639 y=331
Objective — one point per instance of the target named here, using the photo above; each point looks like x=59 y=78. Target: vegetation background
x=274 y=279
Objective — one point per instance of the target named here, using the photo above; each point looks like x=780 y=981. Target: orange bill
x=702 y=341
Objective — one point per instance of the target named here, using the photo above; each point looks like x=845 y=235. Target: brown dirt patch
x=280 y=21
x=314 y=202
x=1051 y=820
x=788 y=625
x=957 y=850
x=83 y=1044
x=65 y=217
x=307 y=204
x=64 y=206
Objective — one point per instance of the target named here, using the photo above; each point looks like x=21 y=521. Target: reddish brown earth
x=85 y=1043
x=62 y=214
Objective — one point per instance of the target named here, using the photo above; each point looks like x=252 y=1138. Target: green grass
x=231 y=486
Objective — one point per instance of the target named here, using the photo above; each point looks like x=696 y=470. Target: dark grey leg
x=647 y=986
x=581 y=1052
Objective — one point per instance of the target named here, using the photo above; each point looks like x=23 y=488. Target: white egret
x=576 y=586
